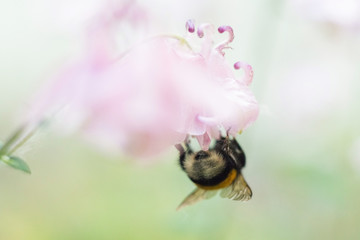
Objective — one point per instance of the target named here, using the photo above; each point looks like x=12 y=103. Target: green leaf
x=16 y=163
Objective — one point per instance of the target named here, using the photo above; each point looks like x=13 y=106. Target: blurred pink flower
x=345 y=13
x=156 y=94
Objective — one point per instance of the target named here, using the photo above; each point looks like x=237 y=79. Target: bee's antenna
x=227 y=131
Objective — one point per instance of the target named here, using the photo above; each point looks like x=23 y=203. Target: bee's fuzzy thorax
x=209 y=170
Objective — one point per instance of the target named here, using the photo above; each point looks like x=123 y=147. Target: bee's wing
x=239 y=190
x=197 y=195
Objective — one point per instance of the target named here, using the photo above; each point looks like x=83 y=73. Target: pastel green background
x=303 y=153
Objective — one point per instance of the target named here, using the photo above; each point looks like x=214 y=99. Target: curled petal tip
x=200 y=33
x=225 y=43
x=249 y=73
x=221 y=29
x=228 y=29
x=190 y=26
x=205 y=27
x=237 y=65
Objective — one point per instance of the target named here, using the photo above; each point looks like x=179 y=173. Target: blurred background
x=303 y=152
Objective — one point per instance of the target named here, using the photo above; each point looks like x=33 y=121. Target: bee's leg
x=180 y=148
x=183 y=152
x=182 y=156
x=188 y=147
x=223 y=143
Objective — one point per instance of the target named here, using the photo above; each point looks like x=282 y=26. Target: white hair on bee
x=211 y=164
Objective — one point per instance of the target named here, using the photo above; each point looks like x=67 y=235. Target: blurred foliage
x=15 y=162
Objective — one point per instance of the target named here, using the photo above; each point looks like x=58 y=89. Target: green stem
x=11 y=140
x=6 y=148
x=22 y=142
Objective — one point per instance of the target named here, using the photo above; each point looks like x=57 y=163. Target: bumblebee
x=219 y=168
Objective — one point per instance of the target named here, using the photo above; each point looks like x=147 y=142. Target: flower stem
x=4 y=149
x=7 y=148
x=22 y=142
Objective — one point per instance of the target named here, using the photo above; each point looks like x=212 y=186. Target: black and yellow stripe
x=229 y=179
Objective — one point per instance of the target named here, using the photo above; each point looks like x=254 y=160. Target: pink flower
x=344 y=13
x=158 y=93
